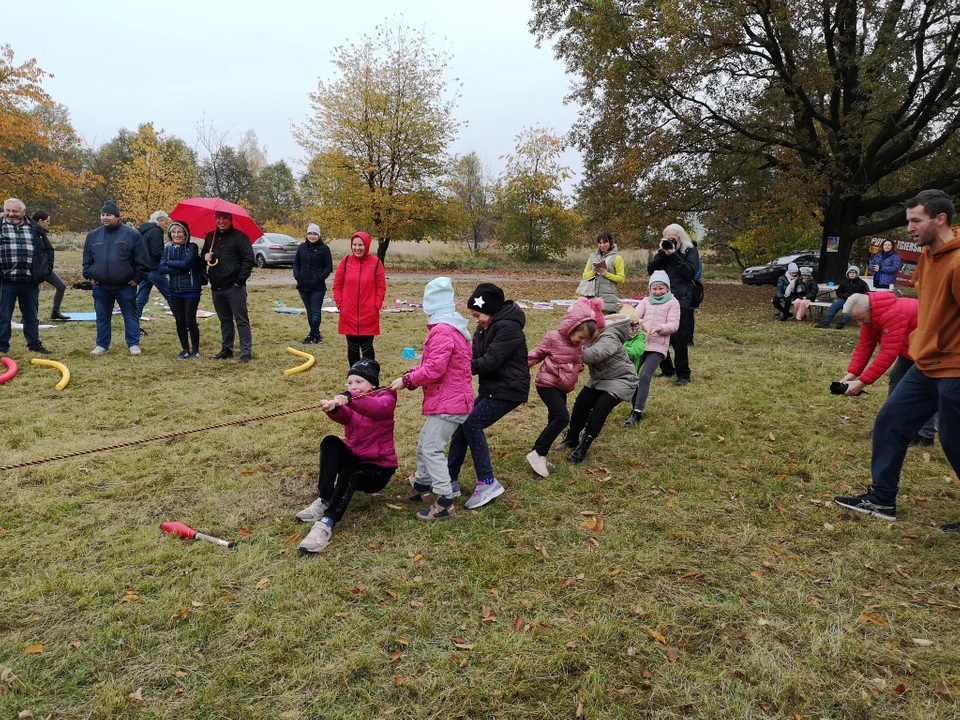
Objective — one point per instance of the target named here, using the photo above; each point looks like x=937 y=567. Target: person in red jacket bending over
x=359 y=286
x=885 y=320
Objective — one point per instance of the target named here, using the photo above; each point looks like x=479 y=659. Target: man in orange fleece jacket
x=933 y=383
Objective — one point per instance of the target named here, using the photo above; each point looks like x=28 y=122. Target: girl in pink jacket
x=659 y=315
x=561 y=352
x=444 y=374
x=364 y=460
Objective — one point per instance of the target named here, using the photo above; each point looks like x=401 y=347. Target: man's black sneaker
x=246 y=358
x=39 y=349
x=951 y=527
x=57 y=315
x=823 y=324
x=921 y=441
x=308 y=340
x=223 y=355
x=868 y=505
x=680 y=382
x=318 y=339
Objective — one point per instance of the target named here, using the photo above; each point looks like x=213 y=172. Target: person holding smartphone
x=604 y=273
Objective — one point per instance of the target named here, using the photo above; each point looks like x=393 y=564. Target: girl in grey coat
x=612 y=379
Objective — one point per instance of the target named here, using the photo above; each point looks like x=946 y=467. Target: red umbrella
x=199 y=214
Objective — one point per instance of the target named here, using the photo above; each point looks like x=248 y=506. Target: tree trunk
x=382 y=246
x=839 y=219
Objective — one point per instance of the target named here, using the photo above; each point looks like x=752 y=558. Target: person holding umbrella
x=229 y=259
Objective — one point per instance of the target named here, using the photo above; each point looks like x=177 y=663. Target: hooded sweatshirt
x=562 y=359
x=935 y=345
x=500 y=356
x=611 y=369
x=359 y=286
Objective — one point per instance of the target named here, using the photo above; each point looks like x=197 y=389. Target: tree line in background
x=376 y=155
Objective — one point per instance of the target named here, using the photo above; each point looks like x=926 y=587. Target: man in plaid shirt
x=26 y=259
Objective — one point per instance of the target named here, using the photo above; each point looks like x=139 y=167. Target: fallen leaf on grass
x=394 y=507
x=7 y=677
x=867 y=617
x=657 y=635
x=776 y=550
x=416 y=604
x=588 y=513
x=180 y=674
x=900 y=690
x=756 y=574
x=373 y=546
x=288 y=467
x=921 y=642
x=295 y=538
x=4 y=532
x=392 y=594
x=247 y=472
x=941 y=688
x=517 y=623
x=593 y=524
x=24 y=714
x=243 y=531
x=183 y=612
x=262 y=583
x=398 y=680
x=196 y=604
x=130 y=597
x=772 y=438
x=34 y=649
x=487 y=615
x=136 y=695
x=460 y=643
x=673 y=654
x=579 y=708
x=395 y=658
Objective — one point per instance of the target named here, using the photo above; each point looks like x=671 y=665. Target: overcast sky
x=250 y=65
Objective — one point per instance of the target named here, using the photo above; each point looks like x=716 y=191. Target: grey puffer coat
x=611 y=369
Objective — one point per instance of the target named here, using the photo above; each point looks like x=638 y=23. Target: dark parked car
x=275 y=249
x=769 y=274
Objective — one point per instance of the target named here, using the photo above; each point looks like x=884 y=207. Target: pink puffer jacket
x=562 y=360
x=665 y=315
x=444 y=372
x=368 y=427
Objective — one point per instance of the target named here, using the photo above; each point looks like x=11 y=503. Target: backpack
x=697 y=294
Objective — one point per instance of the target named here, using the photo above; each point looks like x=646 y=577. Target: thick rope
x=170 y=435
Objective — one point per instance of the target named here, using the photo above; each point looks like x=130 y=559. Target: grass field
x=693 y=567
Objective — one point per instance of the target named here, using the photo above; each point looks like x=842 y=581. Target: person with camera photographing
x=932 y=384
x=678 y=258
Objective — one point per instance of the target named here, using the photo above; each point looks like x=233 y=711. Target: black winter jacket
x=153 y=239
x=180 y=263
x=500 y=356
x=235 y=255
x=681 y=268
x=42 y=254
x=312 y=265
x=848 y=287
x=115 y=256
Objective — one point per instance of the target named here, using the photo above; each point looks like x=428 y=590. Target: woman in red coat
x=359 y=287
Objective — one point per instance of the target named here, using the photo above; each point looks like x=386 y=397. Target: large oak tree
x=852 y=105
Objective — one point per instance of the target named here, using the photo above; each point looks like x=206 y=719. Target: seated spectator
x=785 y=287
x=853 y=283
x=804 y=294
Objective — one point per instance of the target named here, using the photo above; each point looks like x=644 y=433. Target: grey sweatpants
x=899 y=369
x=431 y=460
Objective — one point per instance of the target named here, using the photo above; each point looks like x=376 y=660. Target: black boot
x=635 y=417
x=57 y=315
x=580 y=452
x=568 y=442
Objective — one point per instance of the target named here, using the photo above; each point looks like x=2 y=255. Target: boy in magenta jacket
x=445 y=376
x=364 y=460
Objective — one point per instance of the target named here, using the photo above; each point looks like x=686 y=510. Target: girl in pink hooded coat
x=446 y=378
x=659 y=315
x=561 y=351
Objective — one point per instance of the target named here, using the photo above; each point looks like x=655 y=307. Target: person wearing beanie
x=231 y=253
x=804 y=294
x=365 y=459
x=561 y=352
x=853 y=283
x=359 y=287
x=500 y=364
x=784 y=292
x=444 y=374
x=659 y=317
x=115 y=261
x=311 y=267
x=181 y=264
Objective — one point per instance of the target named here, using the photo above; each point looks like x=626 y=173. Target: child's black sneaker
x=635 y=417
x=868 y=505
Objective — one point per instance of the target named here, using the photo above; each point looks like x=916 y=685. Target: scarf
x=660 y=300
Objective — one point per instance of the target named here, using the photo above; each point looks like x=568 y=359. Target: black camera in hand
x=668 y=244
x=838 y=388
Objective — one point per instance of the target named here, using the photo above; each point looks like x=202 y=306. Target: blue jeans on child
x=154 y=280
x=835 y=307
x=313 y=302
x=909 y=406
x=126 y=298
x=486 y=411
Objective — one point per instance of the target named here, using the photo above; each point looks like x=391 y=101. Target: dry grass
x=722 y=584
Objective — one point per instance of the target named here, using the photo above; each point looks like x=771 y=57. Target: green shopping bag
x=635 y=347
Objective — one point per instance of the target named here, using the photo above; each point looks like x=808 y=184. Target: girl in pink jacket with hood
x=364 y=460
x=444 y=374
x=561 y=352
x=659 y=315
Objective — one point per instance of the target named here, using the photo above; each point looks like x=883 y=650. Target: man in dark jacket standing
x=679 y=258
x=152 y=232
x=229 y=257
x=26 y=259
x=115 y=261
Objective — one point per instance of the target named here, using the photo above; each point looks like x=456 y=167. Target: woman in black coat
x=311 y=267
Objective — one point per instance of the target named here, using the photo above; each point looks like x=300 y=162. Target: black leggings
x=185 y=313
x=557 y=418
x=590 y=411
x=360 y=346
x=341 y=474
x=678 y=341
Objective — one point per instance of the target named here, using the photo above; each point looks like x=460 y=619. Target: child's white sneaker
x=312 y=512
x=317 y=539
x=484 y=493
x=539 y=463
